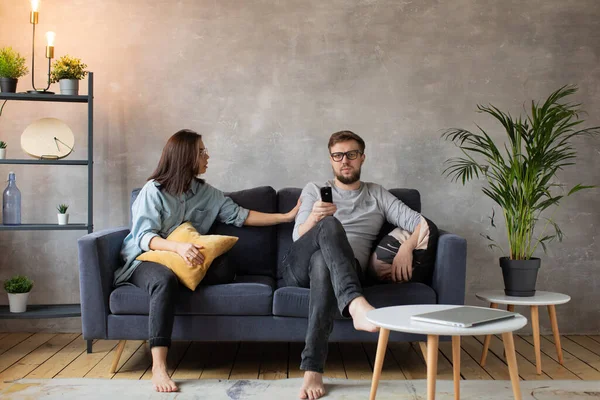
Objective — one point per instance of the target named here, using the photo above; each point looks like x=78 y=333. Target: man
x=332 y=246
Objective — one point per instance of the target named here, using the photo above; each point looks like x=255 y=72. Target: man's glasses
x=350 y=155
x=203 y=152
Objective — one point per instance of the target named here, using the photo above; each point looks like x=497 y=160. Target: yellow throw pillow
x=190 y=276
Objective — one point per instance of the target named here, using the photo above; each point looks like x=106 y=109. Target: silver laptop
x=463 y=317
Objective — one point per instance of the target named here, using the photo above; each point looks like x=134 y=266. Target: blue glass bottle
x=11 y=202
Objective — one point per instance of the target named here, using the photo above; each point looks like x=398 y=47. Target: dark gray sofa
x=255 y=307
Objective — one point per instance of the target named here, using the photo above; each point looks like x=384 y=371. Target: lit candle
x=50 y=36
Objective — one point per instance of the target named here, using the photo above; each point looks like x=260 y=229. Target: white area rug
x=288 y=388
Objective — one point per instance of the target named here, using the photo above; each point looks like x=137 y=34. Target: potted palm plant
x=63 y=217
x=12 y=67
x=2 y=150
x=68 y=71
x=18 y=288
x=520 y=172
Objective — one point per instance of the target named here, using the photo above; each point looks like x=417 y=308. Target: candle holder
x=33 y=19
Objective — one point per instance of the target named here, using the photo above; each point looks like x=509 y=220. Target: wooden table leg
x=456 y=365
x=554 y=322
x=423 y=348
x=486 y=342
x=115 y=363
x=535 y=324
x=511 y=359
x=510 y=307
x=384 y=335
x=432 y=360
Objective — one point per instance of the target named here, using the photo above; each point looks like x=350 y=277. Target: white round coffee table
x=550 y=299
x=399 y=319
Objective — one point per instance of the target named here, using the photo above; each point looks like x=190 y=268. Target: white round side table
x=550 y=299
x=398 y=318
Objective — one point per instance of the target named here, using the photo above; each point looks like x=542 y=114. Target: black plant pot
x=519 y=276
x=8 y=85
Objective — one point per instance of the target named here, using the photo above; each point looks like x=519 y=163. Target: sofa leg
x=89 y=346
x=423 y=347
x=115 y=363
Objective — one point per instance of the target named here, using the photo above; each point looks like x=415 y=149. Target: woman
x=172 y=195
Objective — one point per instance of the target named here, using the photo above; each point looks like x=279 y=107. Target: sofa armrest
x=450 y=270
x=99 y=257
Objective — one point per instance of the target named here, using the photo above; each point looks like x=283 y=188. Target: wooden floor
x=48 y=355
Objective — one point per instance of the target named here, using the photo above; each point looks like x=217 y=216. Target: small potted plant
x=63 y=217
x=2 y=150
x=68 y=71
x=12 y=67
x=18 y=288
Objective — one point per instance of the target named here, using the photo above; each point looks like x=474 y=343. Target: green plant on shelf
x=18 y=284
x=2 y=144
x=12 y=65
x=62 y=208
x=68 y=67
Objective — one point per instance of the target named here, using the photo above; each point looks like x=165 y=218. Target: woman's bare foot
x=312 y=387
x=358 y=310
x=161 y=380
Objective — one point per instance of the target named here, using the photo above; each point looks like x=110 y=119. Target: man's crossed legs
x=323 y=260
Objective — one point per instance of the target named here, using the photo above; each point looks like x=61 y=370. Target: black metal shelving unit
x=56 y=310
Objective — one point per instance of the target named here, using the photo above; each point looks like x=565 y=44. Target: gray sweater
x=362 y=212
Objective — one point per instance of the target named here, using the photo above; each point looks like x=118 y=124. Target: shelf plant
x=520 y=171
x=12 y=67
x=63 y=217
x=68 y=71
x=18 y=288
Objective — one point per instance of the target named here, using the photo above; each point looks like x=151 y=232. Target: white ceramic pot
x=2 y=154
x=69 y=86
x=63 y=219
x=18 y=302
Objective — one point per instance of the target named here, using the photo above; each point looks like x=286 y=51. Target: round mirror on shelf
x=48 y=138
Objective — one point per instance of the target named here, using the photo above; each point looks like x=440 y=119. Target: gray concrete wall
x=267 y=82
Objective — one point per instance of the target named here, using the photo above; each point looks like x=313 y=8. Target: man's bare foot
x=312 y=387
x=161 y=380
x=358 y=310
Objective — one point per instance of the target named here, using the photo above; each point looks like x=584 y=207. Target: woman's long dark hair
x=179 y=162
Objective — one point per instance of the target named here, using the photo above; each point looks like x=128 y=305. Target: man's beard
x=348 y=180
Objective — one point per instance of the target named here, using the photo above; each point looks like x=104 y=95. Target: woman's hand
x=322 y=209
x=290 y=216
x=402 y=264
x=190 y=253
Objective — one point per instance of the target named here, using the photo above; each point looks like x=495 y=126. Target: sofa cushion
x=293 y=301
x=287 y=198
x=255 y=252
x=248 y=295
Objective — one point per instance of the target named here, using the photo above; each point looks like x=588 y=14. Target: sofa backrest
x=255 y=252
x=288 y=197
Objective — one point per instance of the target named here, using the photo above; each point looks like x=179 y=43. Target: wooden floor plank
x=274 y=361
x=59 y=361
x=193 y=361
x=247 y=361
x=294 y=359
x=355 y=361
x=582 y=362
x=469 y=368
x=102 y=369
x=549 y=366
x=135 y=367
x=220 y=361
x=410 y=361
x=493 y=366
x=85 y=362
x=334 y=366
x=391 y=370
x=527 y=370
x=37 y=357
x=588 y=342
x=11 y=340
x=22 y=349
x=595 y=338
